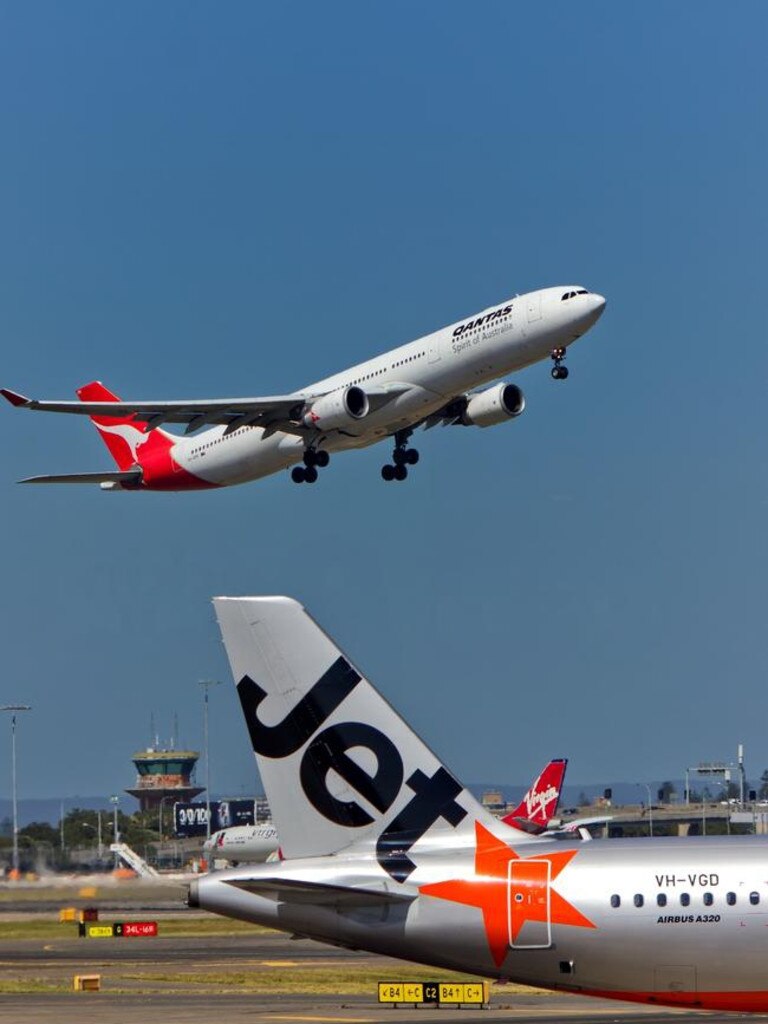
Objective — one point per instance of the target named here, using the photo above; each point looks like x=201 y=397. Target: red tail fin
x=540 y=802
x=123 y=435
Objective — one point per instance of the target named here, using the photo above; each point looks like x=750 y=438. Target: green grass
x=15 y=987
x=344 y=980
x=300 y=980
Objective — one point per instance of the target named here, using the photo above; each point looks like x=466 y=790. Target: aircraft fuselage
x=668 y=921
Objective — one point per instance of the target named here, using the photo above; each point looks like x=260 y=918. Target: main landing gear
x=558 y=371
x=402 y=456
x=314 y=459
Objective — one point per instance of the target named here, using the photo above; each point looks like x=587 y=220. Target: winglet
x=14 y=398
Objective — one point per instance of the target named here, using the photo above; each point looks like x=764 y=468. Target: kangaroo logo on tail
x=123 y=435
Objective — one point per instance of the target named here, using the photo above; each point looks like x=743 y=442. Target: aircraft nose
x=595 y=304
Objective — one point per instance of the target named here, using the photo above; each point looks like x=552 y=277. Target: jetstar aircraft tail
x=124 y=435
x=338 y=764
x=539 y=804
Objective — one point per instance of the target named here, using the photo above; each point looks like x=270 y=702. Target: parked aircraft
x=539 y=805
x=249 y=844
x=384 y=850
x=432 y=380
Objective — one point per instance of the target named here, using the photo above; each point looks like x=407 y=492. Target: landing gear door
x=528 y=904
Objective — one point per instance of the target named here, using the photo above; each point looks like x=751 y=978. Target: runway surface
x=179 y=980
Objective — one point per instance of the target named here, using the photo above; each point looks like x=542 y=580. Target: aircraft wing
x=579 y=823
x=276 y=412
x=288 y=890
x=196 y=413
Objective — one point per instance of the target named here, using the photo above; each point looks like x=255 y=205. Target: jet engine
x=494 y=405
x=337 y=409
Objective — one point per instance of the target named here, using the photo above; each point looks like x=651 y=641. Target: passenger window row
x=375 y=373
x=685 y=899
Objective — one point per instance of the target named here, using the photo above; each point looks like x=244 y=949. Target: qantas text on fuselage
x=439 y=378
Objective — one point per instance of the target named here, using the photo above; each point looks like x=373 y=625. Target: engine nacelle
x=495 y=405
x=338 y=409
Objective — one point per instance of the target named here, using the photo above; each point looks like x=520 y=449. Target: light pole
x=650 y=807
x=14 y=709
x=160 y=816
x=115 y=800
x=206 y=685
x=97 y=830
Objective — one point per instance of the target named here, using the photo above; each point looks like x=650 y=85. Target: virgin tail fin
x=540 y=802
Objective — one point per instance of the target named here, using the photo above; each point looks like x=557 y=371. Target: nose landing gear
x=314 y=459
x=558 y=371
x=402 y=457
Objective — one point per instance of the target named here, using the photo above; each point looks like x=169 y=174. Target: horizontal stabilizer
x=131 y=478
x=288 y=890
x=13 y=397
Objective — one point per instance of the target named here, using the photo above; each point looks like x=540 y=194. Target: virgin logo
x=538 y=801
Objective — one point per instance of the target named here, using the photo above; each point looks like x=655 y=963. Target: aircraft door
x=434 y=348
x=528 y=904
x=534 y=307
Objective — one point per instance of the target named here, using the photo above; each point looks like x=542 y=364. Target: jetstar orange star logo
x=509 y=899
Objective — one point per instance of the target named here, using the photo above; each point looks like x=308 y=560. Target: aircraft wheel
x=310 y=457
x=400 y=472
x=388 y=472
x=322 y=458
x=297 y=474
x=563 y=372
x=412 y=456
x=310 y=474
x=399 y=456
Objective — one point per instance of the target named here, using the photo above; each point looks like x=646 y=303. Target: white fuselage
x=249 y=844
x=425 y=374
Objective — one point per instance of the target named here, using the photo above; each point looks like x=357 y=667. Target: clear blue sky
x=213 y=200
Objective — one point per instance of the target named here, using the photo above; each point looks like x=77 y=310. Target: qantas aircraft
x=436 y=379
x=252 y=844
x=384 y=850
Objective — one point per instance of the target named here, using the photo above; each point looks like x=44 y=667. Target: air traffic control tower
x=164 y=775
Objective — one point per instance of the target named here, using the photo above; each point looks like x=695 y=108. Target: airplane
x=252 y=844
x=384 y=850
x=539 y=805
x=434 y=380
x=243 y=843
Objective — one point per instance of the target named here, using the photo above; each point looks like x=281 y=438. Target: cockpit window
x=570 y=295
